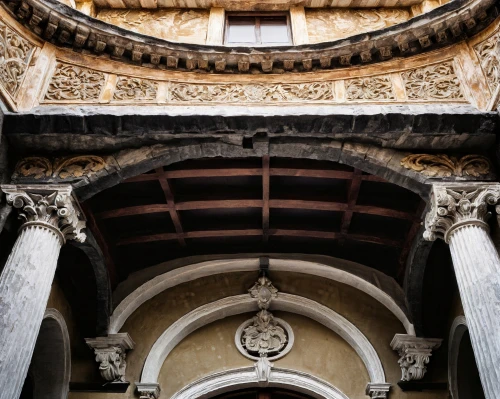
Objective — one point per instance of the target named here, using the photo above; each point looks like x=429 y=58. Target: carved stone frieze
x=133 y=89
x=49 y=206
x=71 y=82
x=455 y=205
x=488 y=53
x=110 y=353
x=370 y=88
x=251 y=93
x=60 y=168
x=415 y=353
x=433 y=82
x=442 y=165
x=15 y=56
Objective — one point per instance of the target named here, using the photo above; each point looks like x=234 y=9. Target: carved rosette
x=442 y=165
x=415 y=354
x=110 y=353
x=457 y=205
x=50 y=206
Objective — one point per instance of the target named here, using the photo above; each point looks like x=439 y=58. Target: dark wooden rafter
x=265 y=197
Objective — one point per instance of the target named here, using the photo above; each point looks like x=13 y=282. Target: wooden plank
x=133 y=210
x=265 y=196
x=229 y=172
x=218 y=204
x=352 y=197
x=317 y=173
x=387 y=212
x=304 y=204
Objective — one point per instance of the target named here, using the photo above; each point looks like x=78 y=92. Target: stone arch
x=371 y=159
x=345 y=272
x=246 y=377
x=51 y=362
x=239 y=304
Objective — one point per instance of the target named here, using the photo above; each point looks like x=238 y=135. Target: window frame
x=258 y=35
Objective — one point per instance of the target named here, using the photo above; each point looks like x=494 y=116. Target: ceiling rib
x=265 y=197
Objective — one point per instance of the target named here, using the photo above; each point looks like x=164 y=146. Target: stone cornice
x=64 y=26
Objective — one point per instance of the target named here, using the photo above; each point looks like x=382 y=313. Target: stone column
x=50 y=216
x=459 y=216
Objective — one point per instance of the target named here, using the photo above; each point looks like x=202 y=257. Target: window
x=260 y=29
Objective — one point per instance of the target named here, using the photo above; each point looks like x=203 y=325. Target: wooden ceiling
x=254 y=205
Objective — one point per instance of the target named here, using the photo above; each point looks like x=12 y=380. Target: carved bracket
x=442 y=165
x=415 y=353
x=148 y=390
x=378 y=390
x=110 y=353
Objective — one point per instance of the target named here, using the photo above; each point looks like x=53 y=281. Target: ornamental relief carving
x=15 y=56
x=370 y=88
x=488 y=53
x=434 y=82
x=73 y=83
x=251 y=93
x=61 y=168
x=442 y=165
x=135 y=89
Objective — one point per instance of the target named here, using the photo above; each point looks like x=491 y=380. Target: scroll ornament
x=442 y=165
x=61 y=168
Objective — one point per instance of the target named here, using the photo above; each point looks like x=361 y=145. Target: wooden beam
x=133 y=210
x=315 y=173
x=265 y=196
x=218 y=204
x=327 y=235
x=352 y=197
x=169 y=197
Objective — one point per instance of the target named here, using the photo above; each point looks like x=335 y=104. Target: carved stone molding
x=74 y=83
x=110 y=353
x=15 y=56
x=378 y=390
x=64 y=26
x=148 y=390
x=60 y=168
x=415 y=353
x=455 y=205
x=49 y=206
x=442 y=165
x=433 y=82
x=370 y=88
x=489 y=57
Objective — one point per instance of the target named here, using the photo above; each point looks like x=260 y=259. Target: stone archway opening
x=263 y=393
x=468 y=381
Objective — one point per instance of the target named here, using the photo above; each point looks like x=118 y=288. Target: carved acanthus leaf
x=370 y=88
x=135 y=89
x=61 y=168
x=264 y=337
x=433 y=82
x=15 y=56
x=71 y=82
x=488 y=53
x=453 y=205
x=441 y=165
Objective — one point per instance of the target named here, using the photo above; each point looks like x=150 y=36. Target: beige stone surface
x=176 y=25
x=328 y=25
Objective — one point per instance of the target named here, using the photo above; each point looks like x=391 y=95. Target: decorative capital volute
x=148 y=390
x=415 y=354
x=454 y=205
x=111 y=352
x=378 y=390
x=50 y=206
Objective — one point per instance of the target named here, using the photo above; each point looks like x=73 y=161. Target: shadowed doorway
x=263 y=393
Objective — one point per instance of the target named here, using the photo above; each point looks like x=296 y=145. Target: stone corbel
x=148 y=390
x=110 y=353
x=415 y=353
x=378 y=390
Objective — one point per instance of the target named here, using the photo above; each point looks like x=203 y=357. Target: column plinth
x=458 y=215
x=50 y=217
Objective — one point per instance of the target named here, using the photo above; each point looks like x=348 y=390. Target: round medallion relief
x=264 y=336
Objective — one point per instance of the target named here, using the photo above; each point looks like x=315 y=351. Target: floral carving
x=488 y=53
x=61 y=168
x=441 y=165
x=454 y=204
x=15 y=56
x=48 y=207
x=71 y=82
x=135 y=89
x=264 y=291
x=434 y=82
x=251 y=93
x=264 y=336
x=370 y=88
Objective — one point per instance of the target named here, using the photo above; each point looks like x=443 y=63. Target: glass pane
x=241 y=30
x=274 y=30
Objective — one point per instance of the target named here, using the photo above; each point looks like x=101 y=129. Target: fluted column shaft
x=24 y=291
x=477 y=267
x=51 y=216
x=459 y=215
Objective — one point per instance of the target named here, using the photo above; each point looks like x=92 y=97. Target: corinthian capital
x=51 y=206
x=455 y=205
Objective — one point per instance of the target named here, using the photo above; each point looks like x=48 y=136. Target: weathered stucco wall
x=325 y=25
x=176 y=25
